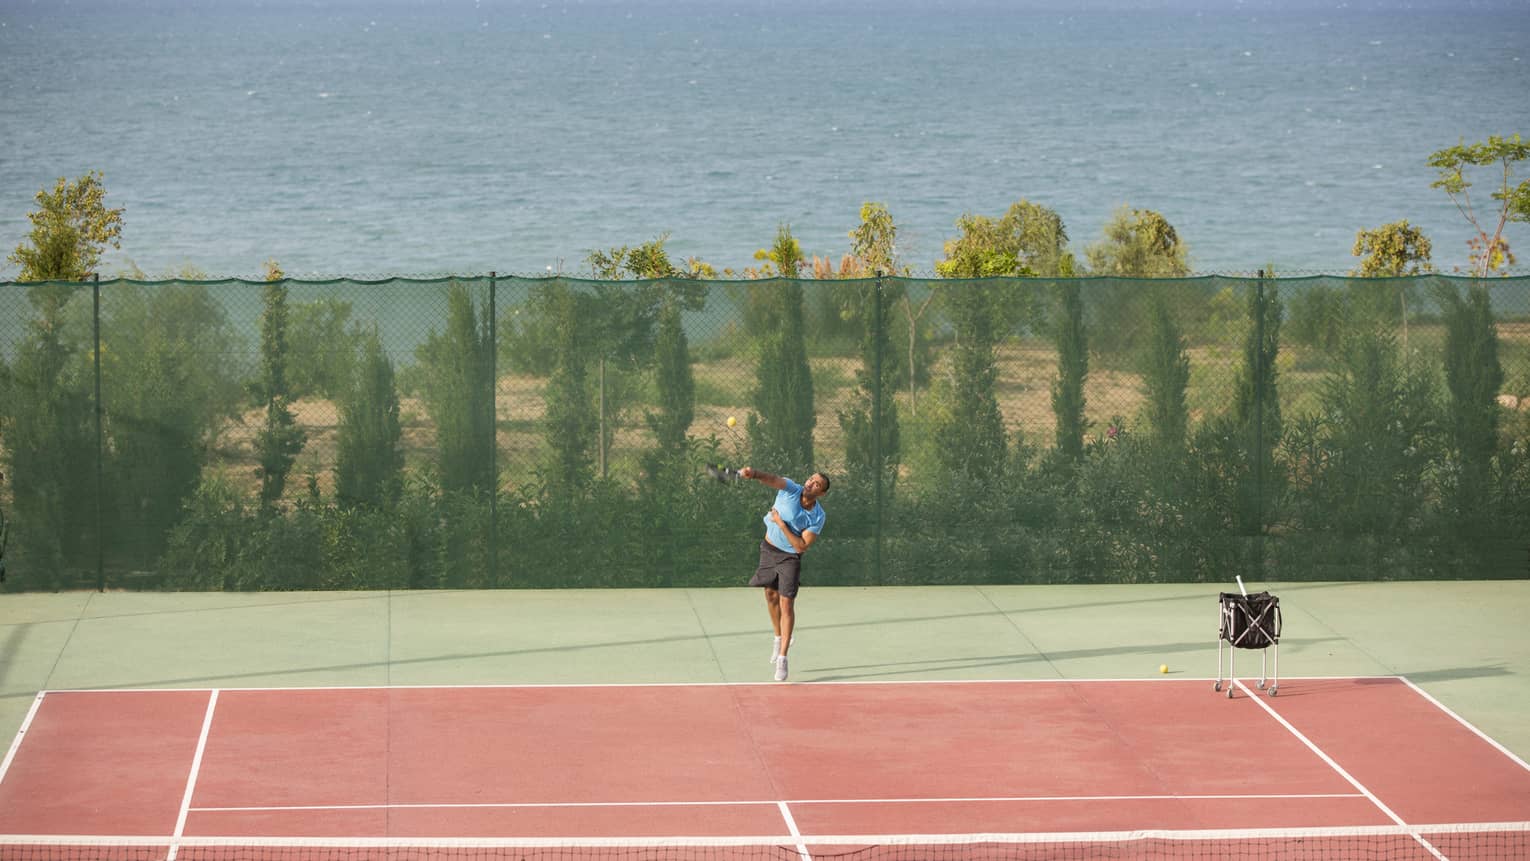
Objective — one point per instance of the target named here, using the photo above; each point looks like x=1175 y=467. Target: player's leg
x=773 y=604
x=788 y=577
x=787 y=615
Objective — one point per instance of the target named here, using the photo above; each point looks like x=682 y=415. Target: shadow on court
x=1453 y=674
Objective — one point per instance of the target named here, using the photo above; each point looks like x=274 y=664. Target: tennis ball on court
x=1163 y=668
x=732 y=421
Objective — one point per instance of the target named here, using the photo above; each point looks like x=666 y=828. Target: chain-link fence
x=515 y=432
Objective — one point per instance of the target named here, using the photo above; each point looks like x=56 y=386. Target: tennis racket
x=723 y=474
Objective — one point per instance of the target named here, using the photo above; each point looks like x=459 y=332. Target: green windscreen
x=549 y=433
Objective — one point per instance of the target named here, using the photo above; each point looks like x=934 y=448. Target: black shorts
x=778 y=570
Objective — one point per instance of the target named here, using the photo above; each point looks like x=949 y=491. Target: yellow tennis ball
x=1163 y=668
x=732 y=421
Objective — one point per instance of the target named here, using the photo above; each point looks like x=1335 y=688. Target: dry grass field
x=1025 y=374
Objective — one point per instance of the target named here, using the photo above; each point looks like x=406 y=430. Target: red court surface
x=807 y=766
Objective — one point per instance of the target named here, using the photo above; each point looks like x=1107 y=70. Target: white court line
x=1155 y=678
x=496 y=805
x=1338 y=768
x=1213 y=835
x=791 y=825
x=191 y=779
x=1462 y=721
x=20 y=734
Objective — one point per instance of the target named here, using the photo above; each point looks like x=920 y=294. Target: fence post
x=493 y=433
x=95 y=317
x=876 y=427
x=1259 y=396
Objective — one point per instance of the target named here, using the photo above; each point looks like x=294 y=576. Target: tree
x=322 y=348
x=1489 y=250
x=169 y=381
x=1139 y=243
x=1028 y=240
x=1379 y=418
x=784 y=257
x=1256 y=409
x=875 y=241
x=69 y=231
x=369 y=462
x=460 y=394
x=570 y=422
x=781 y=425
x=46 y=410
x=830 y=315
x=676 y=384
x=46 y=421
x=280 y=440
x=871 y=435
x=620 y=322
x=1072 y=372
x=1319 y=316
x=1391 y=251
x=1473 y=376
x=762 y=309
x=972 y=433
x=1167 y=376
x=674 y=379
x=911 y=315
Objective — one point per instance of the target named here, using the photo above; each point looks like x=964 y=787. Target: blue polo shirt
x=789 y=503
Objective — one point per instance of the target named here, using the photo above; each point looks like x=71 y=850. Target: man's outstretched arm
x=763 y=477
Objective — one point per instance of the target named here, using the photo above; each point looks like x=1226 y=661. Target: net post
x=95 y=317
x=493 y=432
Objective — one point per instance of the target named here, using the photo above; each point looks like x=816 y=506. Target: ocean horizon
x=429 y=137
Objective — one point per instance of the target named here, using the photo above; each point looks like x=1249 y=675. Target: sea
x=434 y=137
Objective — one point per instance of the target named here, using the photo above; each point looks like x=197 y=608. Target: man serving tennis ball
x=791 y=527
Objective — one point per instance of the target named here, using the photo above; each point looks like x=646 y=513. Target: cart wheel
x=1261 y=684
x=1273 y=689
x=1217 y=687
x=1229 y=692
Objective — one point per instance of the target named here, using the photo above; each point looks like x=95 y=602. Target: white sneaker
x=781 y=668
x=775 y=647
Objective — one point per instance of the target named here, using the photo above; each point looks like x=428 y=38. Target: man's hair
x=825 y=480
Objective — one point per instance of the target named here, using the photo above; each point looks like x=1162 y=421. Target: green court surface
x=1464 y=643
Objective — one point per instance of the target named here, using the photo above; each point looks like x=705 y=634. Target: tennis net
x=1491 y=841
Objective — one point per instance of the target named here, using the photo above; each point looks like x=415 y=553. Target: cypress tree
x=1473 y=375
x=972 y=435
x=1167 y=376
x=1256 y=409
x=860 y=436
x=781 y=426
x=676 y=383
x=1072 y=372
x=369 y=464
x=571 y=423
x=46 y=422
x=280 y=439
x=460 y=394
x=167 y=384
